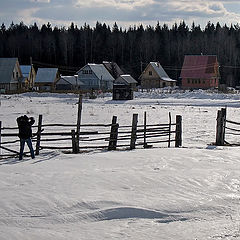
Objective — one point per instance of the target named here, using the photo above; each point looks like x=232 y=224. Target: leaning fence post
x=79 y=116
x=178 y=135
x=113 y=135
x=39 y=134
x=134 y=131
x=74 y=144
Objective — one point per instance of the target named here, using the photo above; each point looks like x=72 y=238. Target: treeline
x=72 y=47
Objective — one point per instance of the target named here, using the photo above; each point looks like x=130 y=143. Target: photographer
x=25 y=134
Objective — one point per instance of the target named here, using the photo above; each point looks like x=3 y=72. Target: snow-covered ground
x=191 y=192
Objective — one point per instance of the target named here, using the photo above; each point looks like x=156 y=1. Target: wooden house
x=29 y=75
x=200 y=71
x=95 y=77
x=123 y=87
x=10 y=75
x=66 y=83
x=154 y=76
x=46 y=79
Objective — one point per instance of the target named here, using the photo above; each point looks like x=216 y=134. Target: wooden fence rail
x=95 y=136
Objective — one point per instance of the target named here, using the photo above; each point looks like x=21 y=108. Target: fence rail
x=78 y=137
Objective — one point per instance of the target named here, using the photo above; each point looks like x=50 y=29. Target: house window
x=199 y=81
x=192 y=81
x=188 y=81
x=13 y=74
x=203 y=81
x=17 y=74
x=150 y=73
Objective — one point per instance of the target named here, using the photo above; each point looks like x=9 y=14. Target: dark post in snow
x=220 y=131
x=79 y=116
x=134 y=131
x=113 y=135
x=39 y=134
x=178 y=136
x=170 y=123
x=145 y=131
x=74 y=143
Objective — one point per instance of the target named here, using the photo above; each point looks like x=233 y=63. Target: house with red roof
x=200 y=71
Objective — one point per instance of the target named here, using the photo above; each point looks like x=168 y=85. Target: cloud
x=123 y=11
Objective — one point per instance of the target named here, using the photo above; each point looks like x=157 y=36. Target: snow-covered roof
x=125 y=78
x=73 y=80
x=46 y=75
x=161 y=72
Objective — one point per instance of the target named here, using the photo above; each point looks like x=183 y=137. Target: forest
x=70 y=48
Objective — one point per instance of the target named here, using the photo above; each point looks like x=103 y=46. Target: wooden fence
x=225 y=129
x=80 y=137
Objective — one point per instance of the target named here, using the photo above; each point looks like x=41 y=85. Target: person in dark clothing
x=25 y=134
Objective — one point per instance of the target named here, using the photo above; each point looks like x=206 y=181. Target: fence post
x=0 y=136
x=145 y=130
x=113 y=135
x=134 y=131
x=39 y=134
x=74 y=144
x=220 y=131
x=170 y=124
x=178 y=135
x=79 y=116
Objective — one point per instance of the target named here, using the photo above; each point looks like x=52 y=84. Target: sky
x=124 y=12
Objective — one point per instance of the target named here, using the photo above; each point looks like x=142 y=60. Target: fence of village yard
x=79 y=137
x=227 y=130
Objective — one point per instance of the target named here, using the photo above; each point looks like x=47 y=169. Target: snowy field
x=191 y=192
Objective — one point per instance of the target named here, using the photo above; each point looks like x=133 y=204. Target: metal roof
x=73 y=80
x=159 y=70
x=6 y=69
x=100 y=71
x=199 y=66
x=125 y=78
x=26 y=69
x=46 y=75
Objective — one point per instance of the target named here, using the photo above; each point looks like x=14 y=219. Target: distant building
x=154 y=76
x=46 y=79
x=200 y=71
x=29 y=75
x=123 y=87
x=95 y=76
x=10 y=75
x=68 y=83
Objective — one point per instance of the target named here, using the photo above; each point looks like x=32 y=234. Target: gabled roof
x=125 y=78
x=100 y=71
x=26 y=69
x=199 y=66
x=113 y=69
x=6 y=69
x=46 y=75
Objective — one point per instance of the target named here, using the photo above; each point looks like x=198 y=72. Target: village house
x=95 y=77
x=200 y=71
x=10 y=75
x=154 y=76
x=46 y=79
x=29 y=75
x=66 y=83
x=124 y=87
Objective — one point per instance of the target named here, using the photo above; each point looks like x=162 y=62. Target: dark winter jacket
x=25 y=126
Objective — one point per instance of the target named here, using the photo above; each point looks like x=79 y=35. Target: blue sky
x=124 y=12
